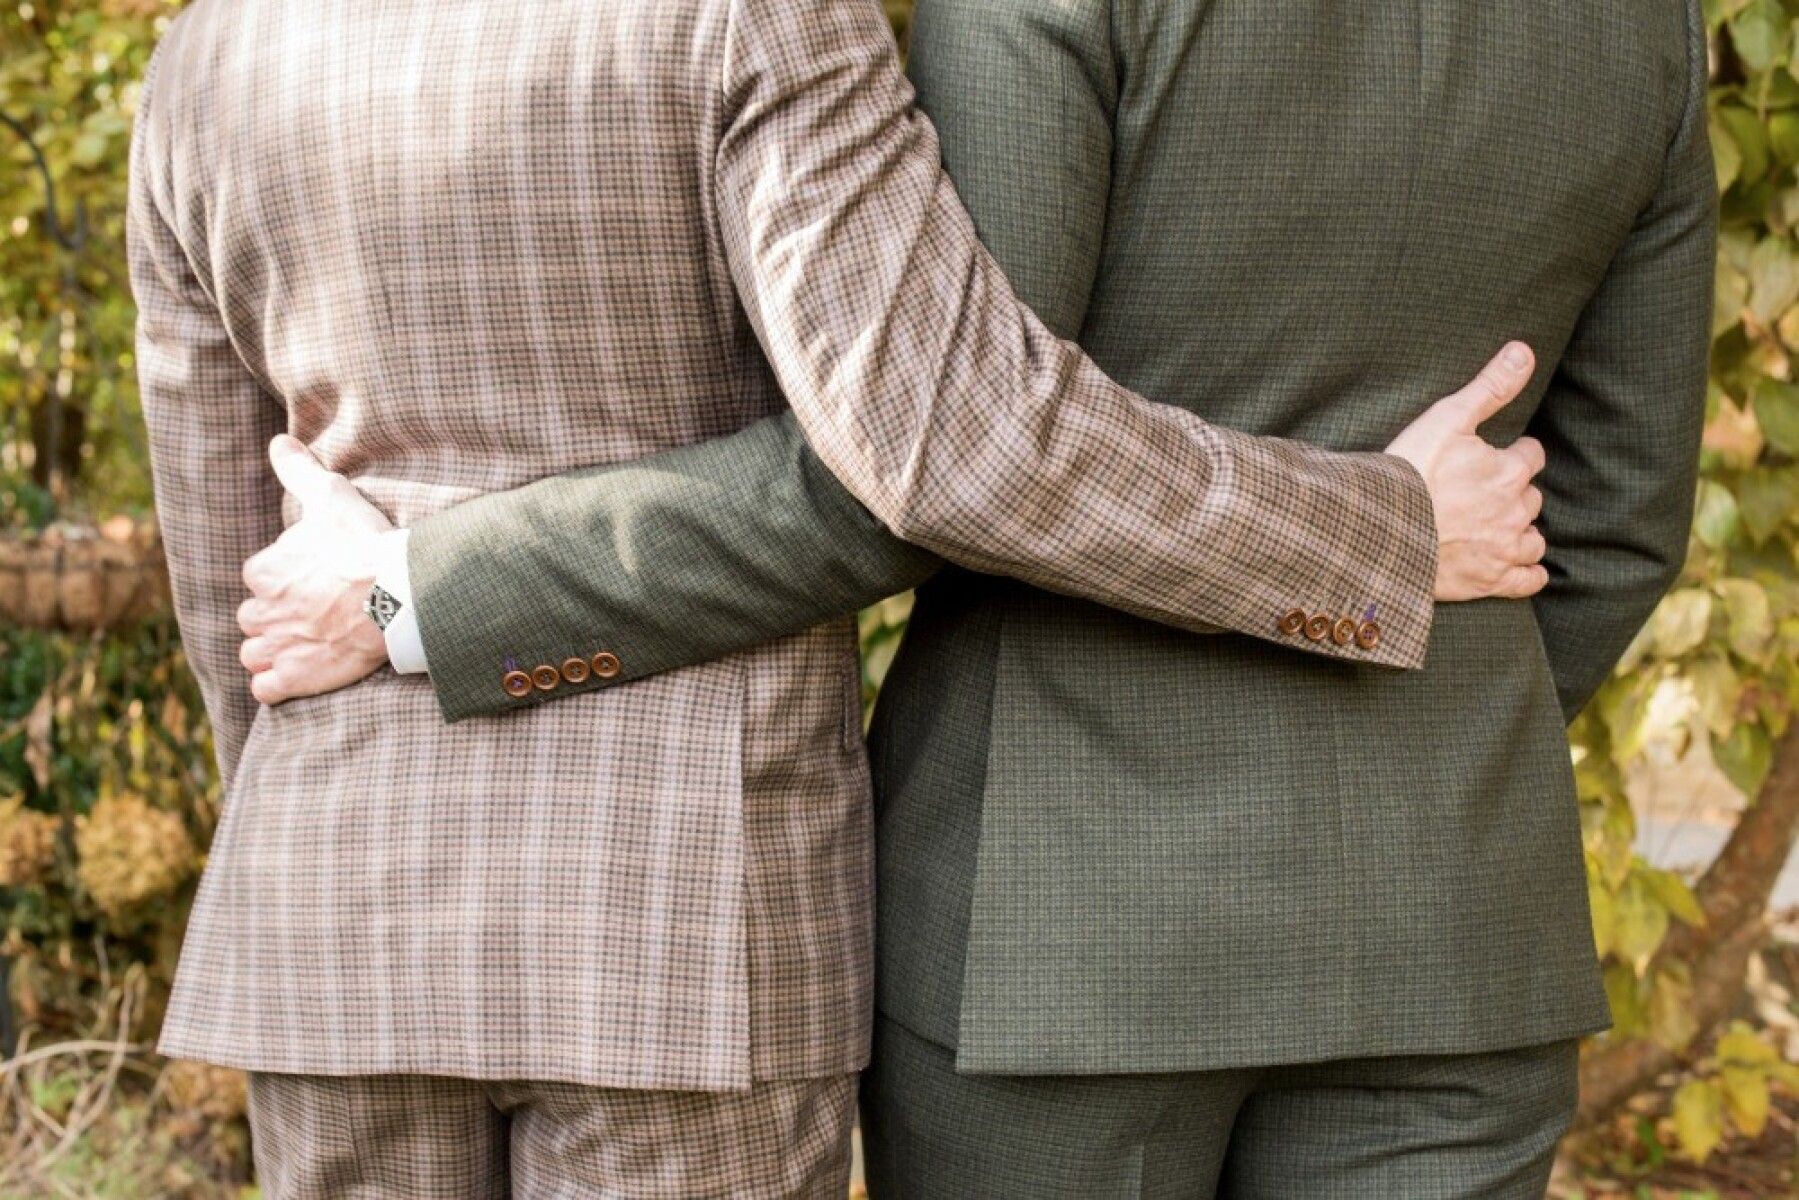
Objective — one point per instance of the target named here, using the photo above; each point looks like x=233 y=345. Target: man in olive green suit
x=1172 y=914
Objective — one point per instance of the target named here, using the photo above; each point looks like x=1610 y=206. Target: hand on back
x=305 y=631
x=1486 y=504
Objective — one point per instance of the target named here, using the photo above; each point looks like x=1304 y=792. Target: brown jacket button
x=1344 y=631
x=1293 y=622
x=606 y=664
x=1368 y=636
x=546 y=678
x=517 y=684
x=575 y=670
x=1318 y=628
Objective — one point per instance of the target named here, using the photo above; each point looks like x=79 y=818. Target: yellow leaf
x=1733 y=433
x=1674 y=894
x=1641 y=923
x=1746 y=1096
x=1751 y=617
x=896 y=610
x=1773 y=265
x=1727 y=160
x=1599 y=901
x=1716 y=688
x=1741 y=1047
x=1698 y=1118
x=1730 y=296
x=1621 y=992
x=1613 y=845
x=1625 y=710
x=1681 y=621
x=1671 y=1020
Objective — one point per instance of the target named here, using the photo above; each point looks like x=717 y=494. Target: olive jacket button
x=575 y=670
x=517 y=684
x=546 y=678
x=606 y=664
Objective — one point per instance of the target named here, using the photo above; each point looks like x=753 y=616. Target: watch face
x=381 y=607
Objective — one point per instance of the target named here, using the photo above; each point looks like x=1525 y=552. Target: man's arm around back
x=953 y=413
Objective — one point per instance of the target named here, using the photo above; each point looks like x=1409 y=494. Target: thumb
x=1497 y=385
x=304 y=477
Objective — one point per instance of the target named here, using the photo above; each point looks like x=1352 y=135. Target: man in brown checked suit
x=621 y=945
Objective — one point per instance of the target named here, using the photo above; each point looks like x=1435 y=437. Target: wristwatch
x=381 y=606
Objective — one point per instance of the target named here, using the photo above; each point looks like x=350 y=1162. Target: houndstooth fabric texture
x=458 y=246
x=432 y=1138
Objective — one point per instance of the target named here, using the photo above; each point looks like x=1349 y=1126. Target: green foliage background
x=83 y=720
x=92 y=725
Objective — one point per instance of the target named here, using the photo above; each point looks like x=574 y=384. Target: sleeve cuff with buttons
x=547 y=677
x=494 y=644
x=1380 y=613
x=405 y=645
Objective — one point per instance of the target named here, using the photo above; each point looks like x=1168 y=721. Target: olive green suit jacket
x=1108 y=845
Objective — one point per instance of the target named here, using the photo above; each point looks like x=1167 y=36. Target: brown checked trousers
x=419 y=1137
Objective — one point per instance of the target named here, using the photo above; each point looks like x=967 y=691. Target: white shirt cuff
x=405 y=645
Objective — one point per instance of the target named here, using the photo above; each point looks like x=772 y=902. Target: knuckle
x=1530 y=581
x=1497 y=386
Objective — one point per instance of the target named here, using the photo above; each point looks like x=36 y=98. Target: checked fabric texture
x=456 y=247
x=429 y=1138
x=1106 y=845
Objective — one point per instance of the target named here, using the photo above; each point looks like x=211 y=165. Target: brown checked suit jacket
x=459 y=245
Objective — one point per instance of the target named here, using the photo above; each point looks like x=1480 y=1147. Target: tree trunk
x=1734 y=894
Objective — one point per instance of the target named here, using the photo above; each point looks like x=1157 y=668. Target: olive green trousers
x=1452 y=1127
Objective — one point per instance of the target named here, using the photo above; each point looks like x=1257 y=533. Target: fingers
x=304 y=477
x=1497 y=385
x=263 y=573
x=253 y=616
x=271 y=687
x=1520 y=583
x=1529 y=452
x=257 y=654
x=1531 y=547
x=283 y=671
